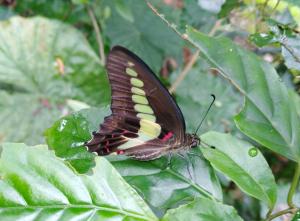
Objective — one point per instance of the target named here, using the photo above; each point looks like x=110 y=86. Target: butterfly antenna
x=208 y=109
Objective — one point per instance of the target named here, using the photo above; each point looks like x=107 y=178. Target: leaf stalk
x=293 y=187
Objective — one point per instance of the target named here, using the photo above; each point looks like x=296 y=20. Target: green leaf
x=282 y=192
x=262 y=39
x=243 y=164
x=203 y=209
x=80 y=2
x=291 y=52
x=35 y=185
x=67 y=136
x=286 y=37
x=194 y=97
x=147 y=37
x=182 y=181
x=227 y=7
x=269 y=114
x=297 y=216
x=124 y=10
x=39 y=71
x=166 y=187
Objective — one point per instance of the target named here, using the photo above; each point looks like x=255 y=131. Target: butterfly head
x=194 y=140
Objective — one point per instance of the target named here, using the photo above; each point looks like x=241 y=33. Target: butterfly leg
x=184 y=157
x=169 y=160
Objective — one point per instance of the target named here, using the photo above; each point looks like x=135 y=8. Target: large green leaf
x=42 y=64
x=203 y=209
x=162 y=186
x=242 y=163
x=35 y=185
x=147 y=37
x=269 y=114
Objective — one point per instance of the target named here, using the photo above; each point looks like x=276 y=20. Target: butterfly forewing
x=145 y=120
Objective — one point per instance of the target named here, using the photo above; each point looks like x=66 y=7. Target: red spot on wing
x=167 y=136
x=120 y=152
x=106 y=147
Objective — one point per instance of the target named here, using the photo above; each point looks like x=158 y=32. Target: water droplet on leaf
x=253 y=152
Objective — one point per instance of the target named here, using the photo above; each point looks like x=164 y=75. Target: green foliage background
x=54 y=92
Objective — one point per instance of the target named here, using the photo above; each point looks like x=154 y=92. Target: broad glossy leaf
x=242 y=163
x=147 y=37
x=36 y=185
x=269 y=114
x=39 y=71
x=203 y=209
x=162 y=186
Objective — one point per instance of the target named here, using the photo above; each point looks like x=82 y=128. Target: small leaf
x=227 y=7
x=68 y=135
x=235 y=159
x=202 y=209
x=262 y=39
x=269 y=115
x=35 y=185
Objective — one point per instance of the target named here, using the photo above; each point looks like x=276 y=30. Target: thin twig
x=98 y=34
x=184 y=72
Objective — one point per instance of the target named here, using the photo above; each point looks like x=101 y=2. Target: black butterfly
x=146 y=122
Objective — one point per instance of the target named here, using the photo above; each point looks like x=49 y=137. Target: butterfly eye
x=195 y=142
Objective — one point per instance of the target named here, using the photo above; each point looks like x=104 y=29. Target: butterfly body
x=146 y=122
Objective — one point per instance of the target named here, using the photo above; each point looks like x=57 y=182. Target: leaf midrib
x=79 y=206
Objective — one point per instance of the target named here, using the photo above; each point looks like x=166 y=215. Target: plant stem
x=293 y=187
x=98 y=35
x=184 y=72
x=280 y=213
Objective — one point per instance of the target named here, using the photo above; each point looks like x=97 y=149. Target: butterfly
x=145 y=123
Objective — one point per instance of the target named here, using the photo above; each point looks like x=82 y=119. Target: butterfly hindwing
x=145 y=120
